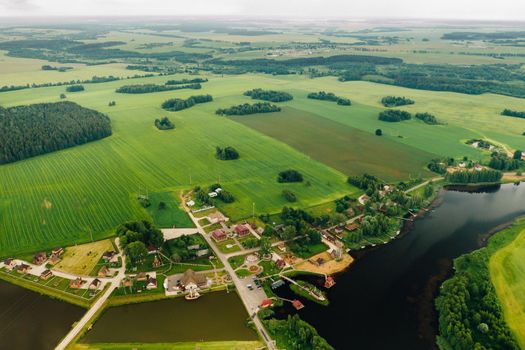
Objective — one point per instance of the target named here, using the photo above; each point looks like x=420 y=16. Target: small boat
x=192 y=295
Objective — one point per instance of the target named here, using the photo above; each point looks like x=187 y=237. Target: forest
x=177 y=104
x=149 y=88
x=329 y=96
x=28 y=131
x=511 y=113
x=269 y=95
x=246 y=108
x=186 y=81
x=427 y=118
x=290 y=176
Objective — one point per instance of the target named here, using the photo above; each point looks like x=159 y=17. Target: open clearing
x=92 y=188
x=507 y=272
x=82 y=259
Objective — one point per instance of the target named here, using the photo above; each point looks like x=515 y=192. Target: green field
x=507 y=273
x=172 y=215
x=65 y=197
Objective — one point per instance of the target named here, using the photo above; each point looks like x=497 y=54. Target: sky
x=345 y=9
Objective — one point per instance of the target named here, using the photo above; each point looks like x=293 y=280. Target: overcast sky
x=448 y=9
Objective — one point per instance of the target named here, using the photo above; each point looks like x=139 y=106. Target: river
x=385 y=299
x=30 y=321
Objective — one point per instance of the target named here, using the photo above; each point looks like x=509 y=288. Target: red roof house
x=266 y=303
x=219 y=235
x=242 y=230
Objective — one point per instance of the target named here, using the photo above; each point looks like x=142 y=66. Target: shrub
x=75 y=88
x=289 y=196
x=289 y=176
x=379 y=132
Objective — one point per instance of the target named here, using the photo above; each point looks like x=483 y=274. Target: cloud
x=18 y=5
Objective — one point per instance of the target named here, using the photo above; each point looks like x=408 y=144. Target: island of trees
x=75 y=88
x=28 y=131
x=186 y=81
x=329 y=96
x=246 y=108
x=394 y=115
x=511 y=113
x=395 y=101
x=149 y=88
x=500 y=161
x=227 y=153
x=427 y=118
x=289 y=175
x=164 y=124
x=269 y=95
x=136 y=236
x=177 y=104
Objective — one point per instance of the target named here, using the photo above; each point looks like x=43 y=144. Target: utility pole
x=253 y=210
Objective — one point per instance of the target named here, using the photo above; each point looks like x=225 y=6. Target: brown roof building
x=219 y=235
x=40 y=258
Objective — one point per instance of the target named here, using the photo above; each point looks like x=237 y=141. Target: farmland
x=508 y=276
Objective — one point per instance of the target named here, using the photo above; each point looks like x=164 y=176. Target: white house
x=212 y=194
x=190 y=203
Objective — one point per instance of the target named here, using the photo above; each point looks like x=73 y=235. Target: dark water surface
x=30 y=321
x=213 y=317
x=385 y=299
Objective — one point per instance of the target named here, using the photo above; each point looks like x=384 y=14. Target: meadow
x=508 y=276
x=65 y=197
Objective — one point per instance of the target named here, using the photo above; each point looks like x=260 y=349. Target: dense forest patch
x=394 y=115
x=226 y=153
x=329 y=96
x=511 y=113
x=427 y=118
x=148 y=88
x=269 y=95
x=186 y=81
x=177 y=104
x=164 y=124
x=27 y=131
x=395 y=101
x=246 y=108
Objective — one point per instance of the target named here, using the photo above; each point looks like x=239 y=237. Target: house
x=95 y=284
x=141 y=276
x=47 y=274
x=192 y=280
x=190 y=203
x=329 y=282
x=193 y=247
x=297 y=304
x=336 y=253
x=23 y=268
x=242 y=230
x=54 y=259
x=104 y=271
x=152 y=283
x=216 y=217
x=152 y=249
x=478 y=167
x=280 y=263
x=319 y=261
x=338 y=230
x=76 y=283
x=352 y=227
x=57 y=251
x=218 y=190
x=213 y=194
x=40 y=258
x=202 y=252
x=219 y=235
x=462 y=164
x=10 y=264
x=127 y=282
x=108 y=255
x=266 y=303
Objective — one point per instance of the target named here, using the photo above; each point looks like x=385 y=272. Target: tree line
x=187 y=81
x=149 y=88
x=177 y=104
x=427 y=118
x=500 y=161
x=511 y=113
x=269 y=95
x=329 y=96
x=28 y=131
x=471 y=177
x=246 y=108
x=395 y=101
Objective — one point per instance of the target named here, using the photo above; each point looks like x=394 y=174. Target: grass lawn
x=82 y=259
x=269 y=268
x=236 y=261
x=310 y=250
x=172 y=215
x=507 y=273
x=223 y=246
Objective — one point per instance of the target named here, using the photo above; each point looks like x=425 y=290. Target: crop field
x=64 y=197
x=82 y=259
x=508 y=276
x=347 y=149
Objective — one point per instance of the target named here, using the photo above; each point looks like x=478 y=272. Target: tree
x=429 y=190
x=266 y=246
x=62 y=96
x=162 y=205
x=289 y=175
x=379 y=132
x=289 y=196
x=136 y=252
x=517 y=154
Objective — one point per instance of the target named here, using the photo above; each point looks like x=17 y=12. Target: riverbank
x=485 y=322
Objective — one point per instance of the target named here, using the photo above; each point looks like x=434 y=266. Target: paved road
x=424 y=184
x=250 y=303
x=75 y=331
x=171 y=233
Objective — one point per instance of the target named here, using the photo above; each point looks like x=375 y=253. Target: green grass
x=223 y=246
x=508 y=277
x=172 y=215
x=93 y=187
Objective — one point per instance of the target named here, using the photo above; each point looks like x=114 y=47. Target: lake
x=30 y=321
x=213 y=317
x=385 y=299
